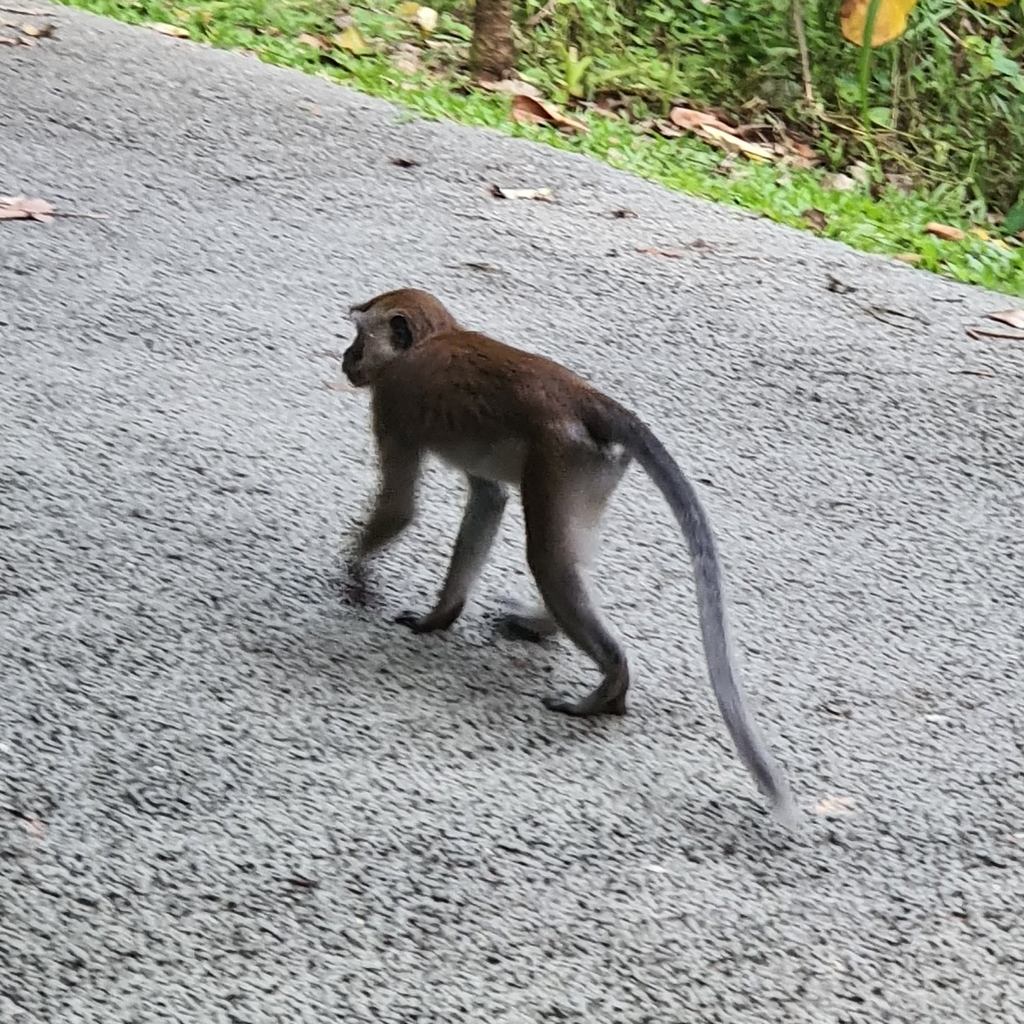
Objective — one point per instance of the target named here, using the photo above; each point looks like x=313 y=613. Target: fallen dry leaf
x=910 y=258
x=530 y=110
x=544 y=194
x=310 y=40
x=8 y=41
x=650 y=250
x=816 y=218
x=37 y=31
x=623 y=214
x=900 y=182
x=944 y=231
x=1010 y=317
x=168 y=30
x=838 y=182
x=511 y=87
x=834 y=806
x=425 y=18
x=798 y=154
x=352 y=40
x=404 y=161
x=20 y=208
x=833 y=284
x=713 y=129
x=687 y=117
x=407 y=60
x=36 y=829
x=729 y=140
x=668 y=131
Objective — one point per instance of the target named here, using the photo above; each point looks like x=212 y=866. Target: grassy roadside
x=892 y=224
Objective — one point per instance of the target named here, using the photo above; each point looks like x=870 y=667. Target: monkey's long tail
x=638 y=438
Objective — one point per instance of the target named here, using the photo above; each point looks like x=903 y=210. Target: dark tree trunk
x=491 y=54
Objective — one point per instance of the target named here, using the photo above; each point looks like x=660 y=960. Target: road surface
x=225 y=796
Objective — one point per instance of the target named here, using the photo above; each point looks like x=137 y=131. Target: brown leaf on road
x=544 y=194
x=529 y=110
x=20 y=208
x=650 y=250
x=37 y=31
x=833 y=284
x=946 y=232
x=1010 y=317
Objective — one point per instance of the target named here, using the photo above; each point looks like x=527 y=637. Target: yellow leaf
x=751 y=150
x=169 y=30
x=979 y=233
x=425 y=18
x=890 y=22
x=946 y=232
x=352 y=41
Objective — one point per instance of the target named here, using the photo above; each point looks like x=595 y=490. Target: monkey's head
x=388 y=326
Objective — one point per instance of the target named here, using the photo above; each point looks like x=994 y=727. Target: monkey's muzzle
x=350 y=364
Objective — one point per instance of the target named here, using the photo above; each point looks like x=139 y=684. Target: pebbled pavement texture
x=228 y=797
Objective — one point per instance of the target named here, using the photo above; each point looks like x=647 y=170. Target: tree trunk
x=491 y=53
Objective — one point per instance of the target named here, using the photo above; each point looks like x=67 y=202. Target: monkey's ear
x=401 y=332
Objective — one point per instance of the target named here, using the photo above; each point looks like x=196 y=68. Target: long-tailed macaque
x=504 y=416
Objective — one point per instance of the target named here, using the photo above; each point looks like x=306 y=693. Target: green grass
x=892 y=224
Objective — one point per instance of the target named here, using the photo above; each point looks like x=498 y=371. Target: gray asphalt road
x=226 y=796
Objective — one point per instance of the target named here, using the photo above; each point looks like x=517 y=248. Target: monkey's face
x=381 y=336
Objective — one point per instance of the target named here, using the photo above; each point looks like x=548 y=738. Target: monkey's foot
x=595 y=703
x=433 y=621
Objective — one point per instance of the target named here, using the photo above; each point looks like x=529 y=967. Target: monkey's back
x=481 y=405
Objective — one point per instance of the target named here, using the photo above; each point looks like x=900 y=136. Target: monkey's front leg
x=393 y=510
x=480 y=523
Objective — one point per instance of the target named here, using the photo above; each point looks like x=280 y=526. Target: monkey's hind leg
x=480 y=523
x=562 y=518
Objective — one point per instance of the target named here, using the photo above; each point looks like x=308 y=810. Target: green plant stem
x=865 y=65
